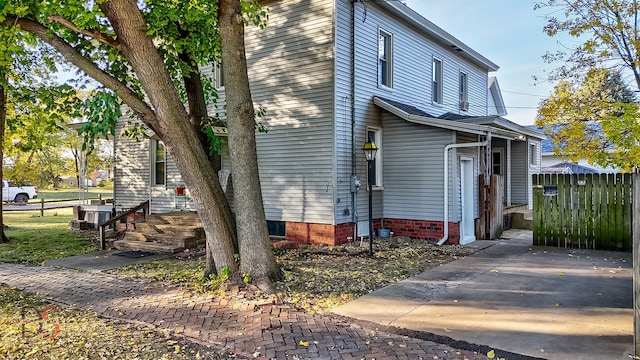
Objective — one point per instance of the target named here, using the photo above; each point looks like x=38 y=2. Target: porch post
x=508 y=179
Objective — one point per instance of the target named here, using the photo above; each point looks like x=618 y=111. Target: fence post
x=636 y=262
x=41 y=207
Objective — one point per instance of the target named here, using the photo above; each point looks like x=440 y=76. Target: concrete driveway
x=536 y=301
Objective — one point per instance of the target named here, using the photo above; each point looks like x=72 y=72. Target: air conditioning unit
x=464 y=105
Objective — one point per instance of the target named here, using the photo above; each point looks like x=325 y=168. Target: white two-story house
x=333 y=73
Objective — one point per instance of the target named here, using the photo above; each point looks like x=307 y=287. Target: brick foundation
x=337 y=234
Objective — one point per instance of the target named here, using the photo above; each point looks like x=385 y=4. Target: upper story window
x=385 y=50
x=159 y=163
x=464 y=92
x=218 y=77
x=436 y=82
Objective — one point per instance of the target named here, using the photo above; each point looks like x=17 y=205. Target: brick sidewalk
x=244 y=327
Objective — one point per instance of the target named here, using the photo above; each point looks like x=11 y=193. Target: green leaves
x=596 y=120
x=102 y=110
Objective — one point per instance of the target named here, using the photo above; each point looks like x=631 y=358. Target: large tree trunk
x=197 y=114
x=256 y=255
x=3 y=119
x=173 y=127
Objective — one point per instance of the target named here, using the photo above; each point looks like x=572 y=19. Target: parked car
x=18 y=194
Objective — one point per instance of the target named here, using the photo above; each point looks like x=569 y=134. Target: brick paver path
x=247 y=328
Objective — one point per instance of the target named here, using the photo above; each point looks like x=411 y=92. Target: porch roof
x=417 y=116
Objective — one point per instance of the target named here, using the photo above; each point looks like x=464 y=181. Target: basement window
x=276 y=228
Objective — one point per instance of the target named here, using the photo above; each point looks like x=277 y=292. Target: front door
x=467 y=228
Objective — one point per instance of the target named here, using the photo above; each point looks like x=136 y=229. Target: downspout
x=445 y=226
x=354 y=194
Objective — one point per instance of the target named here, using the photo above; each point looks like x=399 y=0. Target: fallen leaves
x=27 y=333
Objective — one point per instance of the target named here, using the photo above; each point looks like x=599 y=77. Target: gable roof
x=411 y=17
x=568 y=168
x=414 y=115
x=496 y=95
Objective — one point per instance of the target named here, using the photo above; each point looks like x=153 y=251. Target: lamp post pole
x=370 y=149
x=369 y=178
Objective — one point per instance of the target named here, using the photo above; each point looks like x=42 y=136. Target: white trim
x=379 y=185
x=467 y=191
x=388 y=59
x=437 y=78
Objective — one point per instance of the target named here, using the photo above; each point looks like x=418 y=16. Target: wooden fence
x=587 y=211
x=490 y=195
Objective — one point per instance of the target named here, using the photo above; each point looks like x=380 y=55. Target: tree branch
x=72 y=55
x=104 y=38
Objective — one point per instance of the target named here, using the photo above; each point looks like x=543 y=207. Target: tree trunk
x=3 y=119
x=256 y=254
x=198 y=113
x=173 y=128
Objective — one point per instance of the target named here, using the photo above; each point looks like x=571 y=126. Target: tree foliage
x=148 y=55
x=596 y=120
x=607 y=36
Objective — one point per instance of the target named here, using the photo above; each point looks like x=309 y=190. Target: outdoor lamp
x=370 y=149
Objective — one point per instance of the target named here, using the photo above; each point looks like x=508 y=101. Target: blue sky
x=507 y=32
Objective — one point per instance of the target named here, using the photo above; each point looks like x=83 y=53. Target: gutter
x=486 y=142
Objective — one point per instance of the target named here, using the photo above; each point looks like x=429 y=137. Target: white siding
x=132 y=176
x=412 y=58
x=519 y=172
x=290 y=65
x=414 y=170
x=131 y=169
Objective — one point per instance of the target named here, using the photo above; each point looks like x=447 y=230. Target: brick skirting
x=337 y=234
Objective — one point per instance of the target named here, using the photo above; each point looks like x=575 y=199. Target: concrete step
x=522 y=220
x=128 y=245
x=177 y=230
x=183 y=218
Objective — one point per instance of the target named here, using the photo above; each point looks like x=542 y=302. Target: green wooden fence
x=587 y=211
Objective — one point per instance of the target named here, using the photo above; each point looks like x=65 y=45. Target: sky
x=508 y=33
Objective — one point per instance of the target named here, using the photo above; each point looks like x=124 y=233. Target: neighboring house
x=99 y=176
x=553 y=164
x=332 y=73
x=568 y=168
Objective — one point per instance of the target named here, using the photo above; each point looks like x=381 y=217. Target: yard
x=316 y=279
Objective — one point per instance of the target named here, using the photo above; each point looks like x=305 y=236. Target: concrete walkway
x=248 y=328
x=543 y=302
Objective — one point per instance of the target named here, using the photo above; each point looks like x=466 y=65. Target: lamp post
x=370 y=149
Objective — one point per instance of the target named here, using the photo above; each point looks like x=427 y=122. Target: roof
x=414 y=115
x=405 y=13
x=548 y=145
x=568 y=168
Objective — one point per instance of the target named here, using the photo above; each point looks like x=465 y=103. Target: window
x=218 y=77
x=496 y=162
x=384 y=59
x=159 y=163
x=375 y=135
x=276 y=228
x=464 y=92
x=532 y=155
x=436 y=90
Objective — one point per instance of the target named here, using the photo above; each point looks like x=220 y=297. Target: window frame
x=437 y=78
x=463 y=90
x=377 y=164
x=155 y=162
x=500 y=165
x=388 y=59
x=533 y=155
x=218 y=76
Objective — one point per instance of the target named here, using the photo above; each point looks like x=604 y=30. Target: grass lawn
x=34 y=239
x=72 y=194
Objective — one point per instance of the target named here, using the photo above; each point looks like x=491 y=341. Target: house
x=333 y=74
x=558 y=164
